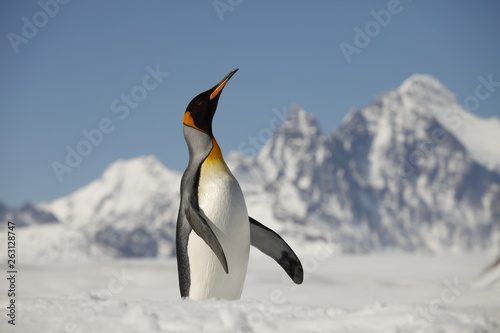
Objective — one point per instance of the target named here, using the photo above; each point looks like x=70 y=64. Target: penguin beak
x=219 y=86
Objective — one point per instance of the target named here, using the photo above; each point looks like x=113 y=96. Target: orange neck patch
x=215 y=154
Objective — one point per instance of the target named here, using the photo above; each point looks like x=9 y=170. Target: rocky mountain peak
x=423 y=87
x=390 y=177
x=300 y=121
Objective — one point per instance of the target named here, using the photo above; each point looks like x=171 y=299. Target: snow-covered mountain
x=27 y=214
x=480 y=137
x=129 y=211
x=395 y=175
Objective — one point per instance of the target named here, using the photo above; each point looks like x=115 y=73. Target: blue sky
x=69 y=71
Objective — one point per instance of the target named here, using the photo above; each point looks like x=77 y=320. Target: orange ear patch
x=189 y=121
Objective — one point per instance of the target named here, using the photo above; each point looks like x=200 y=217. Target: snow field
x=374 y=293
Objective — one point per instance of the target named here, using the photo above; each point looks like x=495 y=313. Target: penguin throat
x=214 y=166
x=215 y=155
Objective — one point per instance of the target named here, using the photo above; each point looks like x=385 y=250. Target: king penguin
x=214 y=231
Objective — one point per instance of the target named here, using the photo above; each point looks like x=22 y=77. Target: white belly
x=222 y=202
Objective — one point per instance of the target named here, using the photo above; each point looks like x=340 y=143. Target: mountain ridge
x=393 y=176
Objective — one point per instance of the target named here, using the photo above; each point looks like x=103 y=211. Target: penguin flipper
x=270 y=243
x=202 y=229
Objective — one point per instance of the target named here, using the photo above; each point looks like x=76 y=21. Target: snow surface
x=375 y=293
x=490 y=276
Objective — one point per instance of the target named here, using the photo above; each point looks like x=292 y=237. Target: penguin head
x=201 y=110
